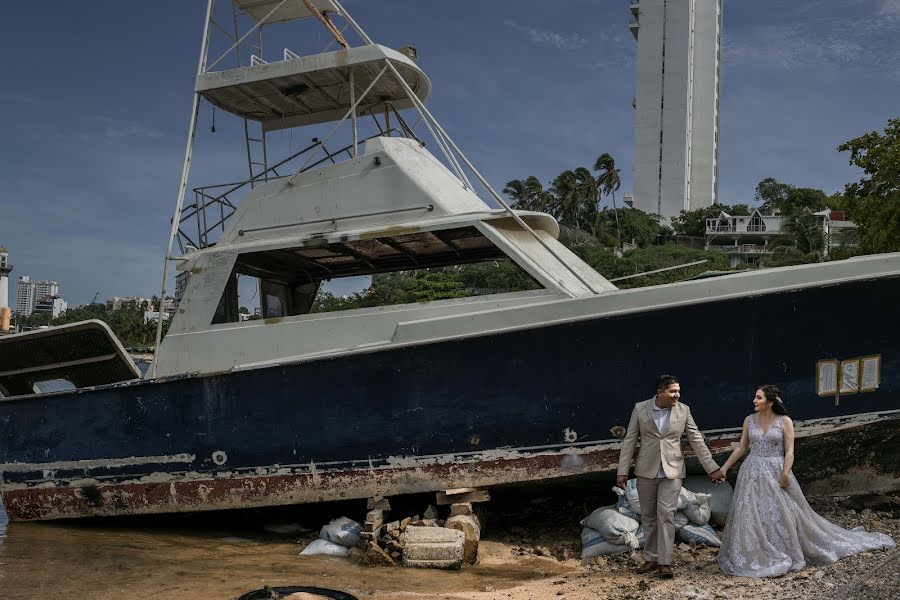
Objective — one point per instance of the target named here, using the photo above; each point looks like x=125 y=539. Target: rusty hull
x=189 y=492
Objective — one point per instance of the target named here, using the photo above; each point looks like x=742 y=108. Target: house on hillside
x=748 y=239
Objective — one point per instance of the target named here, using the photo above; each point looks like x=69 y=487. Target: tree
x=787 y=198
x=575 y=195
x=873 y=202
x=609 y=183
x=528 y=194
x=635 y=225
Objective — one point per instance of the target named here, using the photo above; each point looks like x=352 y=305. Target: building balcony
x=634 y=26
x=742 y=249
x=635 y=8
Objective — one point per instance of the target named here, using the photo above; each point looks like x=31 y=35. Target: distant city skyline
x=525 y=88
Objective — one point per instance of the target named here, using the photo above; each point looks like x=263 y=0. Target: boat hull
x=522 y=405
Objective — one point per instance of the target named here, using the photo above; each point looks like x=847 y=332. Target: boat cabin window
x=402 y=268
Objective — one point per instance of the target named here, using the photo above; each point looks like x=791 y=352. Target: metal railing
x=214 y=204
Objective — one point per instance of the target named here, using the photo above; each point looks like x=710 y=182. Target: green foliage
x=787 y=198
x=651 y=258
x=873 y=202
x=428 y=285
x=693 y=222
x=878 y=155
x=643 y=228
x=127 y=322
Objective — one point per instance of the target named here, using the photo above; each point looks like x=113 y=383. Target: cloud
x=549 y=38
x=890 y=8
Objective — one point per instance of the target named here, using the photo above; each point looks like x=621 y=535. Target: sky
x=96 y=96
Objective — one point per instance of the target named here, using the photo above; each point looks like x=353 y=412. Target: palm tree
x=528 y=194
x=609 y=182
x=806 y=245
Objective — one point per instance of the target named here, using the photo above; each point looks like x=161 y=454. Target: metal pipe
x=359 y=31
x=344 y=118
x=353 y=102
x=690 y=264
x=428 y=207
x=185 y=169
x=243 y=37
x=428 y=116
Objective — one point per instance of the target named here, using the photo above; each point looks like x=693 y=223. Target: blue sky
x=96 y=96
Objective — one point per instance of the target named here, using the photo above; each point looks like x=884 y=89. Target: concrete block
x=433 y=547
x=472 y=531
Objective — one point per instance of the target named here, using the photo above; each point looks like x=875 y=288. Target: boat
x=301 y=407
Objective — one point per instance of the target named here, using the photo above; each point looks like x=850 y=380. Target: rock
x=692 y=592
x=379 y=503
x=723 y=595
x=405 y=523
x=818 y=574
x=376 y=557
x=683 y=546
x=433 y=547
x=487 y=588
x=430 y=513
x=393 y=526
x=460 y=508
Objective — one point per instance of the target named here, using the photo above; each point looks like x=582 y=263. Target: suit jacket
x=662 y=447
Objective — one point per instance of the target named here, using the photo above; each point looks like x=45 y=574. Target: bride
x=771 y=529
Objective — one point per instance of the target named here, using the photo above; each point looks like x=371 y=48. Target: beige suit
x=662 y=447
x=659 y=495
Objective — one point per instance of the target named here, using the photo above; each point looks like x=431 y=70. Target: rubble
x=433 y=547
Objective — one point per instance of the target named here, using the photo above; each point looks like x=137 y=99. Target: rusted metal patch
x=164 y=493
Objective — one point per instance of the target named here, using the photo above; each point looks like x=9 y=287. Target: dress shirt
x=661 y=418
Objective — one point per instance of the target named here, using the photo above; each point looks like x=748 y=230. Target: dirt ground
x=867 y=576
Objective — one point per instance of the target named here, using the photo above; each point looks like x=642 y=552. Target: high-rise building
x=29 y=292
x=5 y=269
x=676 y=104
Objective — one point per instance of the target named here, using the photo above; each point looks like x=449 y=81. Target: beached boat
x=299 y=407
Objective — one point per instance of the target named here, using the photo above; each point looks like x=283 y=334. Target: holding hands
x=717 y=476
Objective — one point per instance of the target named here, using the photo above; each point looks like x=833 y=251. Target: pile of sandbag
x=336 y=538
x=616 y=529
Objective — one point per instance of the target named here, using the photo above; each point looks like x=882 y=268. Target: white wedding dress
x=771 y=530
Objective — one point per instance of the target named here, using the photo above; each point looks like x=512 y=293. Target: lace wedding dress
x=771 y=530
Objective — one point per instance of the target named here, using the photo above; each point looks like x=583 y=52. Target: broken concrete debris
x=424 y=540
x=433 y=547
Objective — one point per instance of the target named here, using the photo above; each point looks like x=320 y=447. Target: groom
x=660 y=422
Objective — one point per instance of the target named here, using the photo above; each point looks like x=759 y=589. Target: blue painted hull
x=473 y=410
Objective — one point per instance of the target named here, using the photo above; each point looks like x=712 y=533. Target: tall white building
x=676 y=104
x=29 y=292
x=5 y=269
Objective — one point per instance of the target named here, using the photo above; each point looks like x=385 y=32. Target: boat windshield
x=398 y=269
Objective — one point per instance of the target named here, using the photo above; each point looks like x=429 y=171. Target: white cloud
x=550 y=38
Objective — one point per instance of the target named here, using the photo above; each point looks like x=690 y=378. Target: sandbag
x=681 y=520
x=698 y=534
x=615 y=527
x=593 y=544
x=343 y=531
x=321 y=546
x=698 y=512
x=625 y=508
x=720 y=496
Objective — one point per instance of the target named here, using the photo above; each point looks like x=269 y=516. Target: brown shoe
x=665 y=572
x=646 y=568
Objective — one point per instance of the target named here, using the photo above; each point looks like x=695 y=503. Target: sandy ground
x=868 y=576
x=531 y=551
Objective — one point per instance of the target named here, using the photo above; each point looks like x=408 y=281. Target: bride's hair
x=773 y=394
